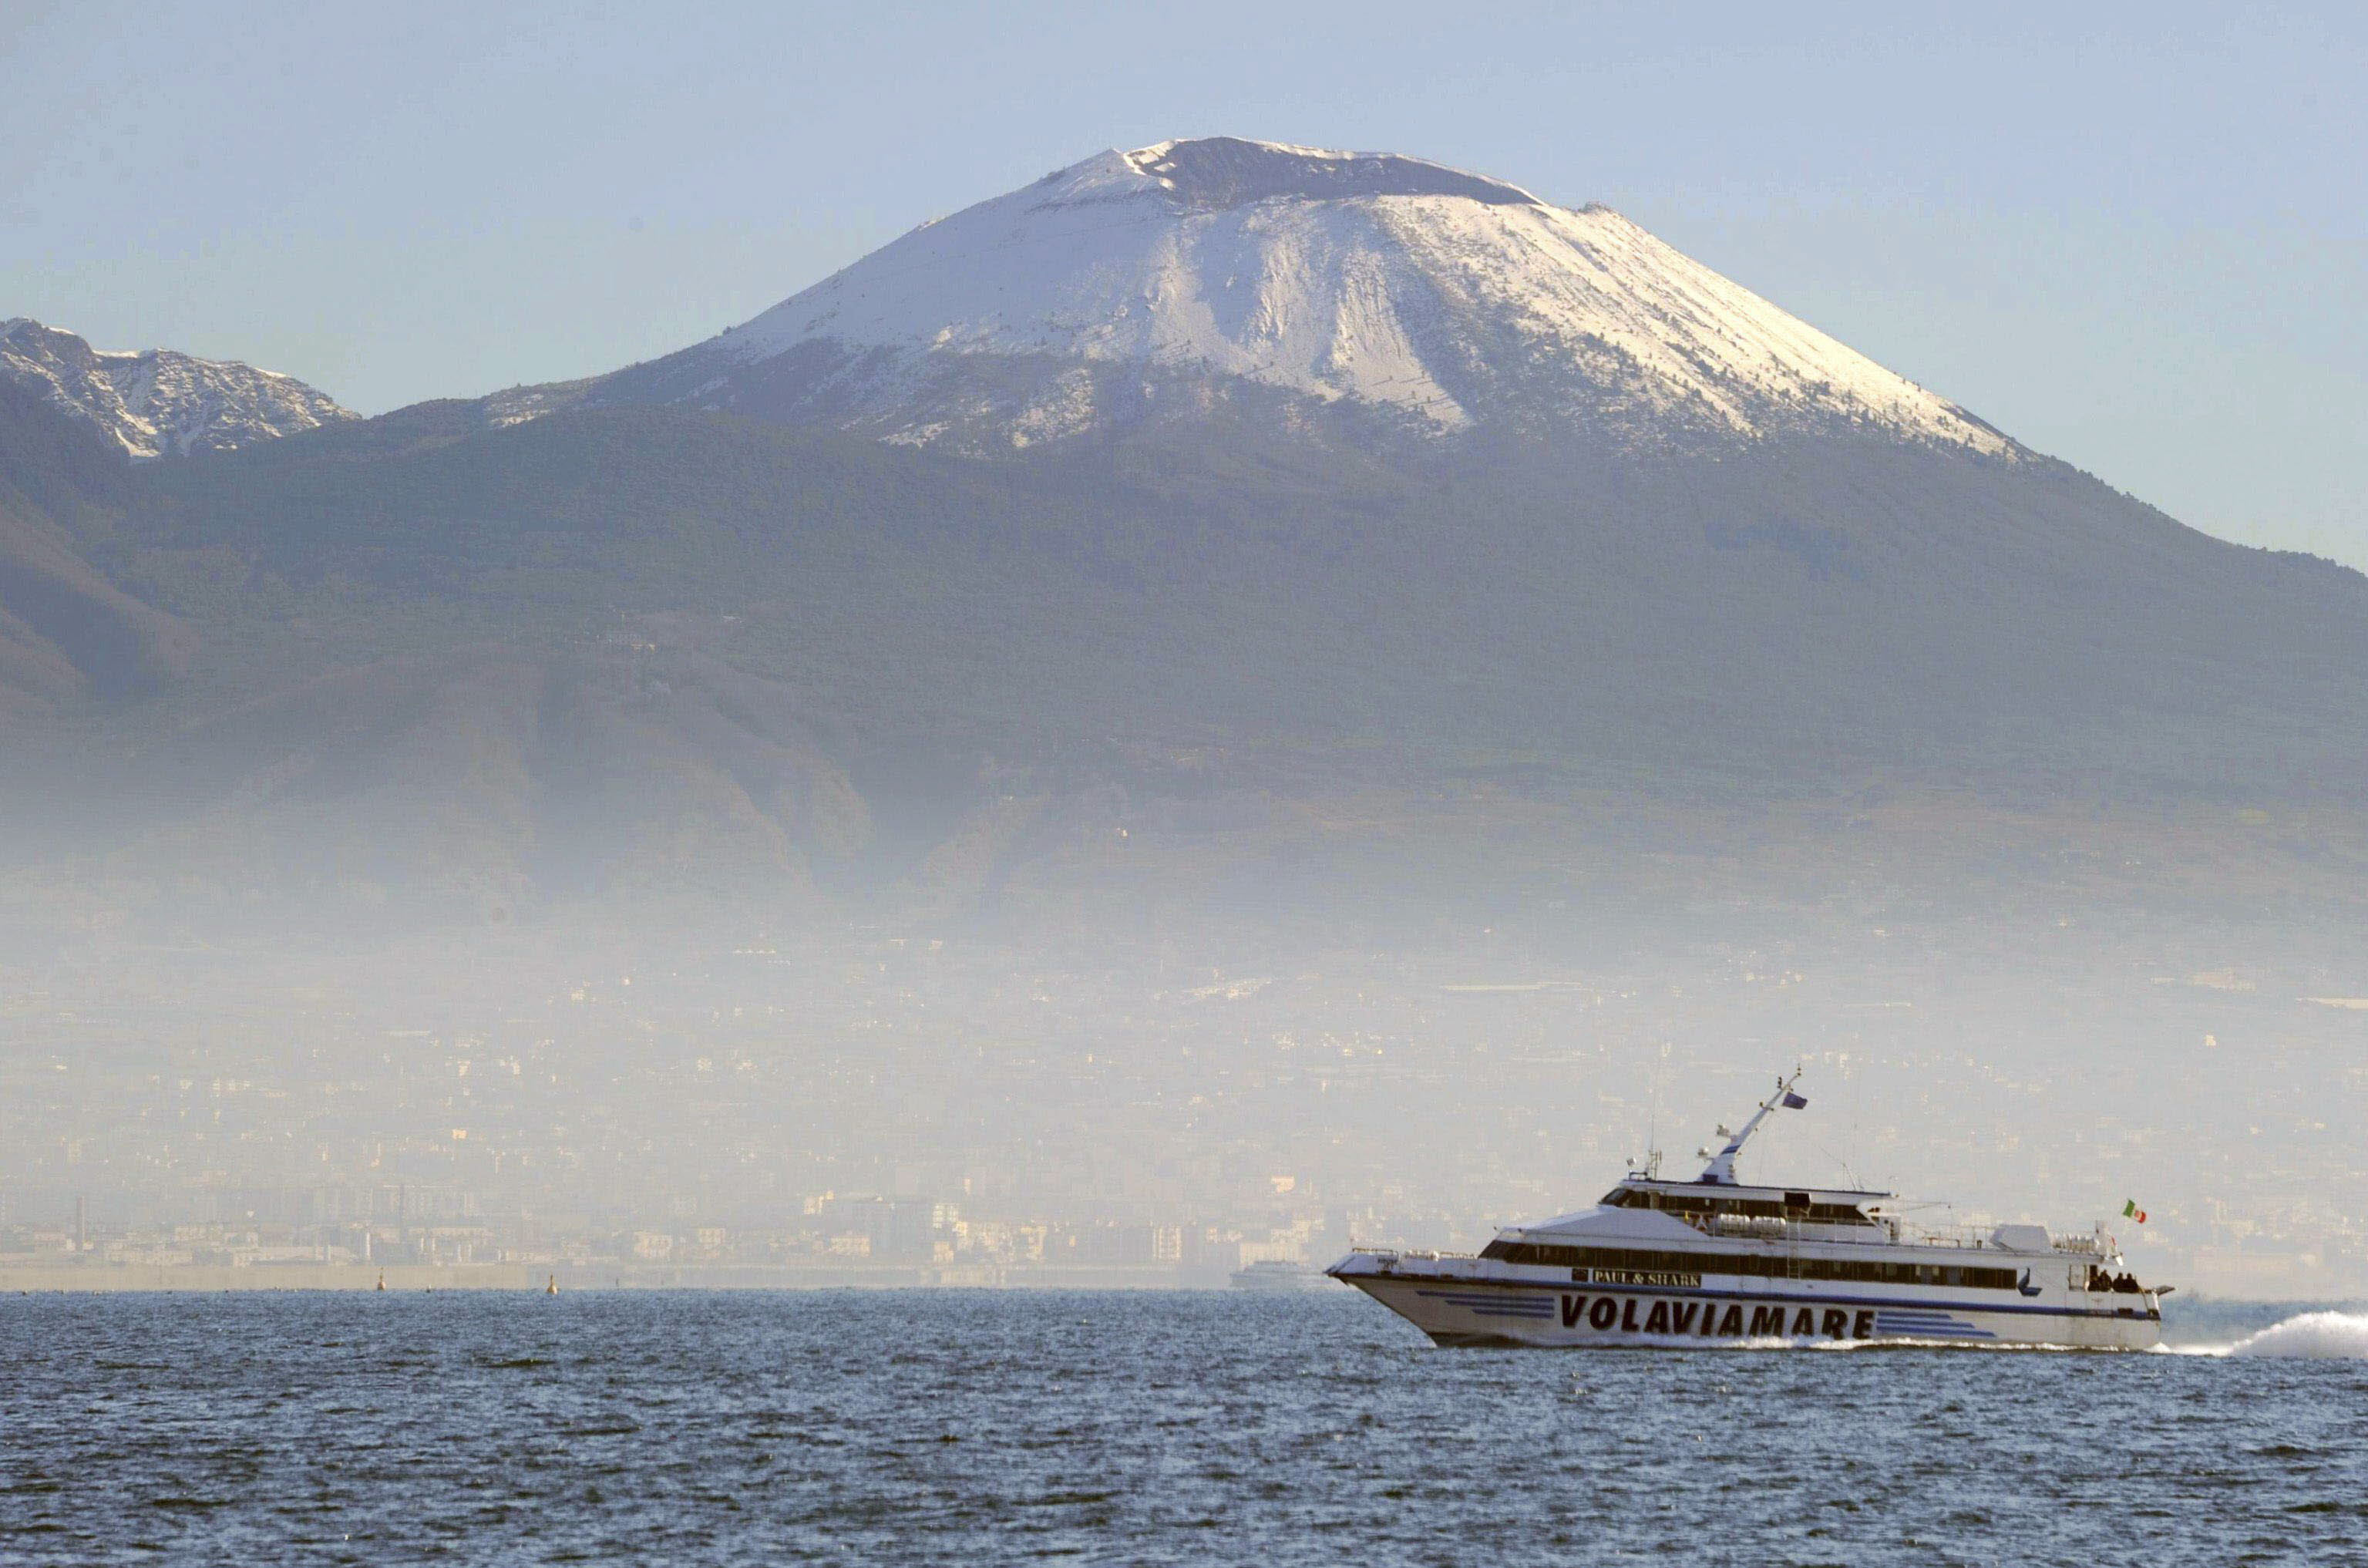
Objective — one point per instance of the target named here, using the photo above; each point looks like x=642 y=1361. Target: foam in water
x=2317 y=1336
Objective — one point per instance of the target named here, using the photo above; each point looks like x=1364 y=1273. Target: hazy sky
x=2133 y=239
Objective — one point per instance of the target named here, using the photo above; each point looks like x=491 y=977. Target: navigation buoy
x=551 y=1287
x=381 y=1278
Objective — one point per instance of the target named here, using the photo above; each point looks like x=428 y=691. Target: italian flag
x=2130 y=1210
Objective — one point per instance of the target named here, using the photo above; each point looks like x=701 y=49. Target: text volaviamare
x=1703 y=1318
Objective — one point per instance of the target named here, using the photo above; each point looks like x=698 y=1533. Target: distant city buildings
x=887 y=1109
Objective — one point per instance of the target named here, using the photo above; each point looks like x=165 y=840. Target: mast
x=1720 y=1172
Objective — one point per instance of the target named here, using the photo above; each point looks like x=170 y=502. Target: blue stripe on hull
x=1492 y=1306
x=1927 y=1324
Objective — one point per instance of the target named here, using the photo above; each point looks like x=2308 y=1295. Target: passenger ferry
x=1714 y=1260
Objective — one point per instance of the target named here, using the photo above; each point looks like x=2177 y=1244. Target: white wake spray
x=2315 y=1335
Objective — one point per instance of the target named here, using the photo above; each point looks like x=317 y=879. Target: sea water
x=950 y=1426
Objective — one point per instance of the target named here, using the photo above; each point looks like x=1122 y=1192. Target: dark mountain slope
x=65 y=631
x=626 y=655
x=1795 y=600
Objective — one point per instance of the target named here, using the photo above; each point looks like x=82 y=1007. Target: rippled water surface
x=953 y=1426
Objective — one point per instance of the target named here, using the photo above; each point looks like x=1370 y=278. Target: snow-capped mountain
x=1189 y=272
x=160 y=402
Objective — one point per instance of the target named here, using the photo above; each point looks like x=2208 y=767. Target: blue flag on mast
x=1794 y=1102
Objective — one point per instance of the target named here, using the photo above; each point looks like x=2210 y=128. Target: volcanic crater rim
x=1212 y=173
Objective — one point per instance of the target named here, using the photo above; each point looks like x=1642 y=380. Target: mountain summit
x=159 y=401
x=1187 y=275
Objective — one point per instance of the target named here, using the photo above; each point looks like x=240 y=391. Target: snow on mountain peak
x=159 y=401
x=1357 y=279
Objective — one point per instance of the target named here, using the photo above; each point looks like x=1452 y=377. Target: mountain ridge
x=159 y=402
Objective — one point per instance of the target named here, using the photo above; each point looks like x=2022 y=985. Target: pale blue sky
x=2134 y=237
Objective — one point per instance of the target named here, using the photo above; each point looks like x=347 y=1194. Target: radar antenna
x=1720 y=1172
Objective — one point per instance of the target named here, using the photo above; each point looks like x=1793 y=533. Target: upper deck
x=1702 y=1199
x=1787 y=1217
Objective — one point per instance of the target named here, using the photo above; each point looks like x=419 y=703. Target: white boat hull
x=1459 y=1305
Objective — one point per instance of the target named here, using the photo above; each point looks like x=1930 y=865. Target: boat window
x=1795 y=1205
x=1761 y=1265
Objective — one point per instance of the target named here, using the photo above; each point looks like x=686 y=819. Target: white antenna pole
x=1720 y=1172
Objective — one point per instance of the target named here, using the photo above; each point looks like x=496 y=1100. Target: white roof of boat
x=1646 y=1225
